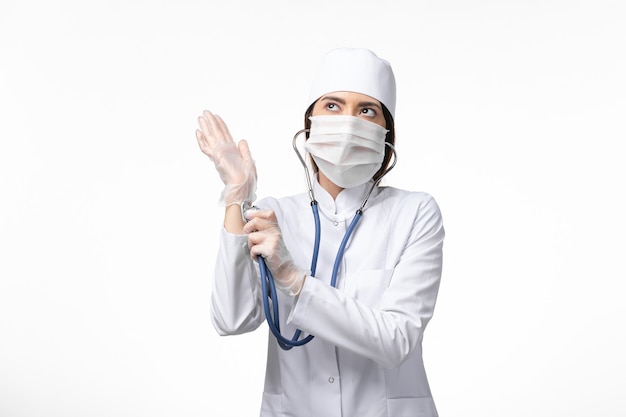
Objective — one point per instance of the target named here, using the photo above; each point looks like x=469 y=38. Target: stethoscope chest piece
x=246 y=207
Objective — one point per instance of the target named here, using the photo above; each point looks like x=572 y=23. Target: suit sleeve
x=389 y=333
x=236 y=292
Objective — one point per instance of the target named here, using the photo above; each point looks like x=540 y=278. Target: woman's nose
x=350 y=111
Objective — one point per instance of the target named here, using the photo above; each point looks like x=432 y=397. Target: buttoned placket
x=335 y=217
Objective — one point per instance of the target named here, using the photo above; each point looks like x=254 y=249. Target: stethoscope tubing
x=272 y=317
x=267 y=280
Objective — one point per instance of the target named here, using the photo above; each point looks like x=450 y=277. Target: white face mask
x=347 y=149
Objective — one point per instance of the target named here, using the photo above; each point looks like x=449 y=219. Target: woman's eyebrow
x=342 y=101
x=369 y=104
x=333 y=98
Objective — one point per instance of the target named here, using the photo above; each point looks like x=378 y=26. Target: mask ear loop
x=393 y=164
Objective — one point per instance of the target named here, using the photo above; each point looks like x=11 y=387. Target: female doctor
x=366 y=306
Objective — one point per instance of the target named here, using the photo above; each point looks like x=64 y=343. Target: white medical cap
x=356 y=70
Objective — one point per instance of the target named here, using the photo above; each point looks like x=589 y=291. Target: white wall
x=511 y=113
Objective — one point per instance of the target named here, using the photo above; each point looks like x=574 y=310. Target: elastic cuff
x=295 y=287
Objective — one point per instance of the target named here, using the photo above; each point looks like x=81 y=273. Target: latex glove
x=265 y=239
x=234 y=163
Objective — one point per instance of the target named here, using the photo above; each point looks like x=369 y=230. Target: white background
x=511 y=113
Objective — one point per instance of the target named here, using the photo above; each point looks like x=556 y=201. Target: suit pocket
x=411 y=407
x=368 y=286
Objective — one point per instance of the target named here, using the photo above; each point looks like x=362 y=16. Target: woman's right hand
x=265 y=239
x=233 y=162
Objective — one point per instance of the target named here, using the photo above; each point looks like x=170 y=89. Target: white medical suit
x=366 y=357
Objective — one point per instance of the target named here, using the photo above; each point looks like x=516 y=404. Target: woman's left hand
x=232 y=161
x=265 y=239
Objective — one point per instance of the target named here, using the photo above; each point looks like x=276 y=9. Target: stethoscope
x=268 y=287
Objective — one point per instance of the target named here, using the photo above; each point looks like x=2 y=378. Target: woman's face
x=347 y=103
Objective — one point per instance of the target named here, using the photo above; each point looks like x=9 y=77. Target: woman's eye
x=331 y=106
x=368 y=112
